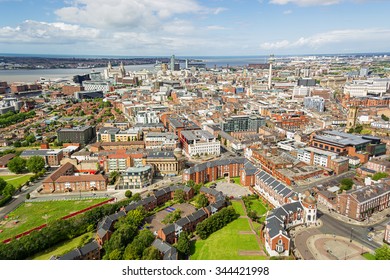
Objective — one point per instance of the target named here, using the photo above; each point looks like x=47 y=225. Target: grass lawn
x=369 y=256
x=61 y=248
x=238 y=207
x=218 y=180
x=236 y=180
x=16 y=180
x=30 y=215
x=258 y=207
x=226 y=243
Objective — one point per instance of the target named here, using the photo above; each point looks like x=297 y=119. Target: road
x=19 y=198
x=358 y=233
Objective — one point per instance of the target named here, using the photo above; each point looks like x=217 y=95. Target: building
x=352 y=117
x=243 y=123
x=345 y=144
x=213 y=170
x=386 y=237
x=5 y=159
x=88 y=94
x=90 y=251
x=167 y=251
x=314 y=103
x=119 y=161
x=379 y=165
x=314 y=156
x=360 y=203
x=161 y=141
x=51 y=157
x=136 y=177
x=276 y=239
x=65 y=179
x=146 y=117
x=362 y=88
x=199 y=142
x=103 y=86
x=166 y=163
x=82 y=135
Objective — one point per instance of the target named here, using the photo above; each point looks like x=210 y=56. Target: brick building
x=359 y=204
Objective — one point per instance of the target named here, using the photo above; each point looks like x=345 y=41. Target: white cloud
x=335 y=37
x=287 y=12
x=216 y=27
x=127 y=14
x=43 y=32
x=306 y=2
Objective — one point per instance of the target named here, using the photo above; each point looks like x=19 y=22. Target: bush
x=216 y=222
x=5 y=200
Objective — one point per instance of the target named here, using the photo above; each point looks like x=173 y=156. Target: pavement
x=311 y=244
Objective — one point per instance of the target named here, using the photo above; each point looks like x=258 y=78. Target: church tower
x=352 y=117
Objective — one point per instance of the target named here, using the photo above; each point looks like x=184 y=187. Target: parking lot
x=231 y=189
x=155 y=220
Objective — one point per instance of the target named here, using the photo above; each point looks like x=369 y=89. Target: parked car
x=369 y=238
x=370 y=229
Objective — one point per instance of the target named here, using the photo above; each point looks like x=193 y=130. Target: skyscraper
x=271 y=61
x=173 y=62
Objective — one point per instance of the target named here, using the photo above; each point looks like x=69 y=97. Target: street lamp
x=351 y=235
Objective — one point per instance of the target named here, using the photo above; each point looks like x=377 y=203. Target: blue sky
x=194 y=27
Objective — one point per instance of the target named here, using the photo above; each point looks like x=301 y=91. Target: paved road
x=19 y=198
x=358 y=233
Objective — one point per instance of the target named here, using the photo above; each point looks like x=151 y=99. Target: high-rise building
x=270 y=61
x=243 y=123
x=173 y=62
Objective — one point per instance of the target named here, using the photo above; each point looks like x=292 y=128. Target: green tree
x=179 y=196
x=136 y=216
x=183 y=244
x=128 y=193
x=379 y=175
x=190 y=183
x=197 y=187
x=28 y=196
x=201 y=201
x=346 y=184
x=17 y=144
x=151 y=253
x=9 y=189
x=172 y=217
x=3 y=183
x=383 y=253
x=30 y=139
x=134 y=251
x=17 y=165
x=384 y=117
x=35 y=164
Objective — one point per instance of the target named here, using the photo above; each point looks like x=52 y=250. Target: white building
x=161 y=140
x=301 y=92
x=146 y=117
x=96 y=86
x=200 y=142
x=362 y=88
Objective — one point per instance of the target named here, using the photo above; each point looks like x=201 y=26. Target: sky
x=194 y=27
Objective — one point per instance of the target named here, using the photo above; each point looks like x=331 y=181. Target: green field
x=236 y=180
x=61 y=248
x=16 y=180
x=258 y=207
x=226 y=244
x=369 y=256
x=237 y=205
x=30 y=215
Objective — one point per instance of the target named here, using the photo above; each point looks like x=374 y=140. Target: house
x=5 y=159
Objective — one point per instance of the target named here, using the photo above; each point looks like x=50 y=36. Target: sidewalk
x=377 y=217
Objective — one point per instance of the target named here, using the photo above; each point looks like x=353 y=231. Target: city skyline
x=194 y=27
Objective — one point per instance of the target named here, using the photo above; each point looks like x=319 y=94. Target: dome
x=310 y=200
x=295 y=197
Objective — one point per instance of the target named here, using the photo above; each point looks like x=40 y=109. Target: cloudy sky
x=194 y=27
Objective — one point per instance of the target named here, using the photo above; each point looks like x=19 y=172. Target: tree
x=151 y=253
x=346 y=184
x=201 y=201
x=379 y=175
x=17 y=144
x=172 y=217
x=17 y=165
x=384 y=117
x=190 y=183
x=35 y=164
x=134 y=251
x=2 y=185
x=28 y=196
x=183 y=244
x=383 y=253
x=128 y=193
x=8 y=190
x=30 y=139
x=179 y=196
